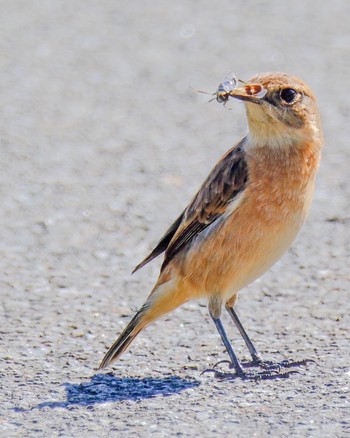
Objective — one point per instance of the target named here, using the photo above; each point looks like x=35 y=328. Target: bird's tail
x=162 y=300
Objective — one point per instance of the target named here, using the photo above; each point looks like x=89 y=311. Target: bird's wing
x=227 y=179
x=163 y=243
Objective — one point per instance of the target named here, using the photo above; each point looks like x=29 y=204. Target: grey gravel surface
x=102 y=145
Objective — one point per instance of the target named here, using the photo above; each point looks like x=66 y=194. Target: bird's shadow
x=103 y=388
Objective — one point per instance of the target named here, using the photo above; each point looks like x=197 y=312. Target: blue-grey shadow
x=104 y=388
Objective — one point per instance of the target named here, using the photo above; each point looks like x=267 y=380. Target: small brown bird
x=245 y=215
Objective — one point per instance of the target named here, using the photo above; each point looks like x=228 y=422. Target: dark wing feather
x=225 y=181
x=163 y=243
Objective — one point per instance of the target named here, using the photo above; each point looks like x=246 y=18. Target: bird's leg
x=257 y=360
x=215 y=304
x=270 y=372
x=234 y=359
x=252 y=350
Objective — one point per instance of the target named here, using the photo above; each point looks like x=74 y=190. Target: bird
x=245 y=215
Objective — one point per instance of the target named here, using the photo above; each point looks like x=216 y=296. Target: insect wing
x=224 y=89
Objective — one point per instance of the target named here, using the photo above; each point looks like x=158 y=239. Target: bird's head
x=284 y=114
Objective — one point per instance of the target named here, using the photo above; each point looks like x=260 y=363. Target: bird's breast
x=256 y=233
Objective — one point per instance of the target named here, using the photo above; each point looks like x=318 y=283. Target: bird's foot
x=289 y=363
x=253 y=376
x=270 y=369
x=273 y=365
x=256 y=362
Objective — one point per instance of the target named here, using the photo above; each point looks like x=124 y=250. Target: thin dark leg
x=252 y=350
x=272 y=370
x=234 y=359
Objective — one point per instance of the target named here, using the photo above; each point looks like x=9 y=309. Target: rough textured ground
x=102 y=145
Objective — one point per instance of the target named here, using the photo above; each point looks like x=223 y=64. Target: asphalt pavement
x=103 y=143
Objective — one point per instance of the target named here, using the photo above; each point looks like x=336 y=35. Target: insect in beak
x=229 y=88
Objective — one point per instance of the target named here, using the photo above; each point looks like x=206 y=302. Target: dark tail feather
x=121 y=344
x=163 y=298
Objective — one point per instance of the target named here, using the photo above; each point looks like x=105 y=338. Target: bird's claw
x=210 y=370
x=286 y=363
x=266 y=364
x=271 y=369
x=223 y=361
x=254 y=376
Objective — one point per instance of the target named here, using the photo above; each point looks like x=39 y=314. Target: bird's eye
x=288 y=95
